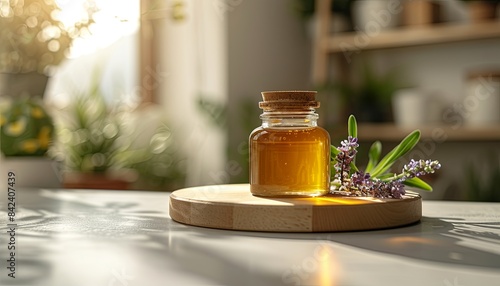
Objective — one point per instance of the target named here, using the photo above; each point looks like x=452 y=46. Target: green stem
x=393 y=178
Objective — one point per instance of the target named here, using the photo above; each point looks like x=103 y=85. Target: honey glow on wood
x=234 y=207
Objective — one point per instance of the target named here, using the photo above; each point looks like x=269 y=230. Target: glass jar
x=289 y=153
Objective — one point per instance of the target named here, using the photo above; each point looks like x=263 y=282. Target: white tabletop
x=114 y=238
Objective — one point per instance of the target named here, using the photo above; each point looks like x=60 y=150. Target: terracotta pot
x=105 y=181
x=481 y=11
x=420 y=12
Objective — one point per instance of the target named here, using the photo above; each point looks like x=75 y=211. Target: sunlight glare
x=407 y=240
x=114 y=19
x=328 y=200
x=329 y=268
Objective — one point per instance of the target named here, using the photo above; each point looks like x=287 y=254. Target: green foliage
x=378 y=87
x=418 y=183
x=352 y=127
x=215 y=111
x=482 y=184
x=95 y=137
x=26 y=129
x=158 y=165
x=369 y=99
x=306 y=8
x=91 y=137
x=373 y=156
x=32 y=38
x=408 y=143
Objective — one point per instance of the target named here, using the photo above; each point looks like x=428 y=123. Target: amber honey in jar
x=289 y=153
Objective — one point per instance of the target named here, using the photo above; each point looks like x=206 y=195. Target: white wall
x=193 y=62
x=268 y=50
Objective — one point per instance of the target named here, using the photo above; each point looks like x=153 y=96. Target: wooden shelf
x=412 y=36
x=327 y=45
x=438 y=133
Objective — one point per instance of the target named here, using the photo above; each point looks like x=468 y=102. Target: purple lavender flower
x=360 y=178
x=397 y=189
x=419 y=168
x=362 y=183
x=349 y=146
x=344 y=158
x=382 y=190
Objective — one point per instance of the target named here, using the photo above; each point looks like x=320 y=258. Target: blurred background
x=162 y=94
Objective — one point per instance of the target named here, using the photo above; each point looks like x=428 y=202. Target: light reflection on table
x=72 y=237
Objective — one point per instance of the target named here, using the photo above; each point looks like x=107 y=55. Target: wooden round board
x=233 y=207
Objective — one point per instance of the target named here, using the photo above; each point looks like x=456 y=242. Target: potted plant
x=88 y=134
x=26 y=129
x=369 y=97
x=341 y=10
x=482 y=181
x=114 y=147
x=27 y=132
x=481 y=10
x=32 y=40
x=420 y=13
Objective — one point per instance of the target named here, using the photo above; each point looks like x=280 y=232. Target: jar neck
x=285 y=119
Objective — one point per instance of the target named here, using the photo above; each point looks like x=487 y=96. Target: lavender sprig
x=349 y=181
x=362 y=184
x=419 y=168
x=346 y=155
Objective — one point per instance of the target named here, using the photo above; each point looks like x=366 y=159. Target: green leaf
x=373 y=156
x=352 y=127
x=352 y=130
x=387 y=177
x=214 y=110
x=333 y=154
x=413 y=182
x=334 y=151
x=418 y=183
x=407 y=144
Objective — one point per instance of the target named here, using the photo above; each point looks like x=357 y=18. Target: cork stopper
x=294 y=99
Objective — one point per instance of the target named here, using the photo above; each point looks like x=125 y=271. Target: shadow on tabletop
x=431 y=239
x=55 y=214
x=49 y=217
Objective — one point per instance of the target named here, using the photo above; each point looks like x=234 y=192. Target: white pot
x=30 y=172
x=409 y=108
x=373 y=16
x=481 y=105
